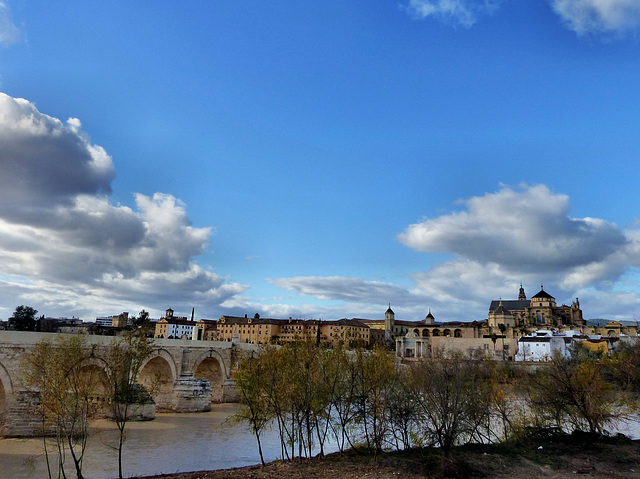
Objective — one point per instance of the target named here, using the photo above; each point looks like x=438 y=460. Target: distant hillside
x=603 y=322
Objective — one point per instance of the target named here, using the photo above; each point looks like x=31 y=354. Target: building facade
x=541 y=311
x=351 y=332
x=173 y=327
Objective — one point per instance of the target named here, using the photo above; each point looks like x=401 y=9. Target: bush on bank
x=366 y=401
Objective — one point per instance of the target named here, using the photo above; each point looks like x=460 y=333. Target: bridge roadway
x=187 y=375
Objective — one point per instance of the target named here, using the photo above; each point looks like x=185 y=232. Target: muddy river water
x=170 y=443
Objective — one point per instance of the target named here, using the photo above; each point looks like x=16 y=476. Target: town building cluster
x=537 y=326
x=515 y=329
x=257 y=330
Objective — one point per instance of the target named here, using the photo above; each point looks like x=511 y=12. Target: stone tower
x=389 y=319
x=521 y=295
x=429 y=319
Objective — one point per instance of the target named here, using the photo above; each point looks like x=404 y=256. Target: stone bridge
x=176 y=370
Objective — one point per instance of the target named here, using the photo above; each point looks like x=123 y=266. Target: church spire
x=521 y=295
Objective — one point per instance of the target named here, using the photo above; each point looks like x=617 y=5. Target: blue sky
x=318 y=160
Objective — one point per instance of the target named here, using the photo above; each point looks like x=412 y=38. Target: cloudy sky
x=319 y=160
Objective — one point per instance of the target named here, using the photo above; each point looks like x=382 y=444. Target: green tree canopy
x=23 y=319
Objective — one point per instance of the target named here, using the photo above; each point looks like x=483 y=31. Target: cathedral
x=541 y=311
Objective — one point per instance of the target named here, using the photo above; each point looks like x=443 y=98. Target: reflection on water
x=170 y=443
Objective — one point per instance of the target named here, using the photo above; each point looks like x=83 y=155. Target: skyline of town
x=318 y=162
x=194 y=316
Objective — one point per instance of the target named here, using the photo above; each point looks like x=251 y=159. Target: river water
x=170 y=443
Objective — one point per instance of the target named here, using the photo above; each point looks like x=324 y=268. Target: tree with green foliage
x=23 y=319
x=141 y=320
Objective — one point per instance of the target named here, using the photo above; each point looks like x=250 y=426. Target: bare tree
x=60 y=376
x=254 y=407
x=451 y=400
x=574 y=392
x=124 y=359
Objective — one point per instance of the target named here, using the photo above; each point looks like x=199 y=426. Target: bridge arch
x=95 y=376
x=6 y=389
x=211 y=354
x=158 y=376
x=209 y=365
x=5 y=380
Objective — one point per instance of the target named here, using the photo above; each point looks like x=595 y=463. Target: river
x=170 y=443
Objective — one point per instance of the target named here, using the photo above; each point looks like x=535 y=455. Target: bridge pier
x=191 y=395
x=19 y=417
x=182 y=375
x=229 y=393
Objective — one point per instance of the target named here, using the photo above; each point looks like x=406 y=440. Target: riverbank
x=557 y=458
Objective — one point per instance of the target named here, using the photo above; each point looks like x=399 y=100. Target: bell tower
x=389 y=320
x=521 y=295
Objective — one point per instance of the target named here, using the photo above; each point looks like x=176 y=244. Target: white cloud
x=523 y=231
x=463 y=12
x=46 y=163
x=514 y=236
x=496 y=242
x=599 y=16
x=9 y=33
x=64 y=245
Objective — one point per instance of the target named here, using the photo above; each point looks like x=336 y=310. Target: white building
x=173 y=327
x=542 y=345
x=104 y=321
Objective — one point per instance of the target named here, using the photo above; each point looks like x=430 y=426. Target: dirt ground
x=567 y=458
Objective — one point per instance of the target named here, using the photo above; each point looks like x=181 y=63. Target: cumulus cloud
x=9 y=33
x=63 y=243
x=524 y=235
x=494 y=243
x=599 y=16
x=46 y=163
x=463 y=12
x=526 y=230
